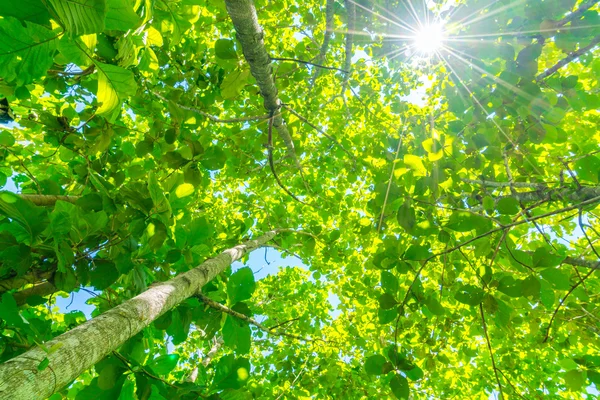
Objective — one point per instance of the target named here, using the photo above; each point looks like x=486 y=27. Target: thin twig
x=220 y=307
x=489 y=345
x=309 y=63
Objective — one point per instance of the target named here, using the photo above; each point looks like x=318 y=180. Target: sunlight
x=429 y=39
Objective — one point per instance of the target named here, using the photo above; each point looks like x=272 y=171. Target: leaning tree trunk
x=82 y=347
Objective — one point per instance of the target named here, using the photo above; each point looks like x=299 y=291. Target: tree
x=148 y=145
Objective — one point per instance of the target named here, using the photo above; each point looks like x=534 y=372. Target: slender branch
x=142 y=369
x=562 y=301
x=309 y=63
x=489 y=345
x=577 y=13
x=220 y=307
x=212 y=117
x=483 y=182
x=516 y=223
x=329 y=11
x=272 y=164
x=351 y=14
x=572 y=56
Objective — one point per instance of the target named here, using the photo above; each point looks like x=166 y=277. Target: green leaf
x=241 y=285
x=434 y=306
x=214 y=158
x=543 y=257
x=163 y=365
x=406 y=217
x=387 y=301
x=374 y=364
x=399 y=387
x=237 y=335
x=44 y=364
x=9 y=311
x=588 y=169
x=80 y=17
x=183 y=190
x=508 y=206
x=25 y=10
x=417 y=252
x=547 y=295
x=416 y=164
x=469 y=294
x=225 y=49
x=103 y=275
x=465 y=222
x=558 y=279
x=574 y=379
x=233 y=83
x=414 y=374
x=120 y=15
x=510 y=286
x=389 y=282
x=25 y=51
x=6 y=139
x=115 y=84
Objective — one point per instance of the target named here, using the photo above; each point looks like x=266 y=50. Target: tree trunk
x=250 y=34
x=85 y=345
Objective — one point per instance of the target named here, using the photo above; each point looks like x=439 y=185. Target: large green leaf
x=120 y=15
x=25 y=50
x=115 y=84
x=80 y=17
x=241 y=285
x=236 y=335
x=163 y=365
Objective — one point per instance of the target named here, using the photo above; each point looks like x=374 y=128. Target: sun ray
x=395 y=16
x=404 y=25
x=491 y=13
x=515 y=33
x=517 y=148
x=493 y=77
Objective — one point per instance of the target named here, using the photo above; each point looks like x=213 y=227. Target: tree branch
x=577 y=13
x=250 y=34
x=489 y=345
x=329 y=11
x=220 y=307
x=572 y=56
x=308 y=63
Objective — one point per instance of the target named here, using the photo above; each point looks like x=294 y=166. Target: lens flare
x=429 y=39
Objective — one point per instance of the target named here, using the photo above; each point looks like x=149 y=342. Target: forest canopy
x=431 y=168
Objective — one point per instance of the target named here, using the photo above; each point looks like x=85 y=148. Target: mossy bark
x=80 y=348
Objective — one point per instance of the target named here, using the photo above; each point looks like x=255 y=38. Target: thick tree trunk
x=85 y=345
x=250 y=34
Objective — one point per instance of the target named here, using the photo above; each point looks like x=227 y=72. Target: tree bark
x=85 y=345
x=46 y=199
x=250 y=34
x=329 y=11
x=20 y=281
x=39 y=289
